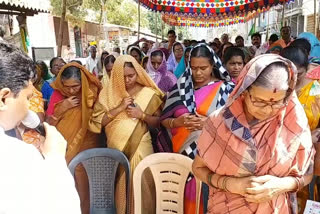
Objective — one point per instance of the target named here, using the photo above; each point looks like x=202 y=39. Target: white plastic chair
x=170 y=172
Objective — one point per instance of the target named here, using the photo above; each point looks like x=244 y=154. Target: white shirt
x=31 y=185
x=92 y=65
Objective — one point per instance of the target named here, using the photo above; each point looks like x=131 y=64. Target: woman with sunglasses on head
x=256 y=152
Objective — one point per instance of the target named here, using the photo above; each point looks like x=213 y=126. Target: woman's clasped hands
x=192 y=122
x=258 y=189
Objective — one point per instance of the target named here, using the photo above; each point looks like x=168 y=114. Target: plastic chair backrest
x=170 y=172
x=101 y=165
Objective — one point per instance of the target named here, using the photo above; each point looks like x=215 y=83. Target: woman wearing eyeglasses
x=256 y=152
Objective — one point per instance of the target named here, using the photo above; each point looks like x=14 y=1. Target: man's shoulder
x=21 y=150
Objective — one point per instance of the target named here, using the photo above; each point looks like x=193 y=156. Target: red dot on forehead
x=271 y=99
x=274 y=90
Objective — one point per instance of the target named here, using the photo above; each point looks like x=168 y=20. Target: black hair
x=231 y=52
x=214 y=44
x=2 y=32
x=71 y=72
x=274 y=37
x=256 y=35
x=203 y=51
x=136 y=49
x=54 y=59
x=77 y=61
x=171 y=32
x=175 y=44
x=157 y=53
x=43 y=66
x=109 y=59
x=296 y=55
x=16 y=68
x=239 y=37
x=285 y=27
x=303 y=44
x=145 y=59
x=103 y=53
x=128 y=64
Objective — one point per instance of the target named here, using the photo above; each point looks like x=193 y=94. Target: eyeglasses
x=180 y=50
x=262 y=104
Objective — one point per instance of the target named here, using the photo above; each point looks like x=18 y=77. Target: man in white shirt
x=30 y=182
x=92 y=61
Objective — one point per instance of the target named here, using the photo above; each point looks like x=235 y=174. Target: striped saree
x=185 y=99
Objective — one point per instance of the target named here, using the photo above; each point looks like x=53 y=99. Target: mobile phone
x=132 y=105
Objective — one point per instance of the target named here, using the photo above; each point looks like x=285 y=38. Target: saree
x=130 y=136
x=315 y=46
x=73 y=123
x=172 y=62
x=182 y=64
x=184 y=98
x=277 y=146
x=36 y=104
x=163 y=78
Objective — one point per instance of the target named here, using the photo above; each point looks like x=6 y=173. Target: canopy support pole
x=162 y=30
x=315 y=18
x=139 y=20
x=156 y=15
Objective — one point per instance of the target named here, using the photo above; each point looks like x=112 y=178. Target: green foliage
x=182 y=32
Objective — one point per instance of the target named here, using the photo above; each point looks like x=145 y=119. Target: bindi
x=271 y=99
x=275 y=90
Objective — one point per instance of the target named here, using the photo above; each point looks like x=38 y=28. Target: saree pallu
x=208 y=99
x=278 y=147
x=131 y=136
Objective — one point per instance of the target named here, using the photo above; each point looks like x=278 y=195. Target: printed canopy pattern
x=208 y=7
x=210 y=21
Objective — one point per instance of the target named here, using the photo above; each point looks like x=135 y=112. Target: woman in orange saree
x=127 y=106
x=75 y=93
x=256 y=152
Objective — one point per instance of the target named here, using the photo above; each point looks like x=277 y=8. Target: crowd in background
x=247 y=116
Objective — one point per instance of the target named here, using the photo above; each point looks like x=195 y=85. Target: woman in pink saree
x=256 y=152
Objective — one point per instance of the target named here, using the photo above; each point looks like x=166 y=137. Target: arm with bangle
x=256 y=189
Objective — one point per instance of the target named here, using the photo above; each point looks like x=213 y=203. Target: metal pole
x=156 y=15
x=282 y=19
x=162 y=30
x=315 y=18
x=139 y=20
x=268 y=26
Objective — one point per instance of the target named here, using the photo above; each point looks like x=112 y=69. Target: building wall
x=41 y=31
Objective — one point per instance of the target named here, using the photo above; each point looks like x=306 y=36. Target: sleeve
x=60 y=187
x=95 y=122
x=303 y=162
x=56 y=97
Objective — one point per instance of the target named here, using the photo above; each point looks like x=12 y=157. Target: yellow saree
x=73 y=124
x=130 y=136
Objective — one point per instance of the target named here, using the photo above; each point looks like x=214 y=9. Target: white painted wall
x=41 y=31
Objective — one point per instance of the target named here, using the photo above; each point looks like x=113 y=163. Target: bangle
x=219 y=181
x=210 y=178
x=300 y=183
x=224 y=183
x=109 y=115
x=171 y=123
x=143 y=116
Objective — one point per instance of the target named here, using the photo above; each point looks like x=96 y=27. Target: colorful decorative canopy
x=182 y=21
x=208 y=7
x=209 y=21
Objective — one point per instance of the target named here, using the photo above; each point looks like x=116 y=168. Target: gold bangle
x=109 y=115
x=171 y=123
x=143 y=116
x=219 y=181
x=224 y=184
x=210 y=175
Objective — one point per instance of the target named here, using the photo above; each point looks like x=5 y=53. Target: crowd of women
x=240 y=119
